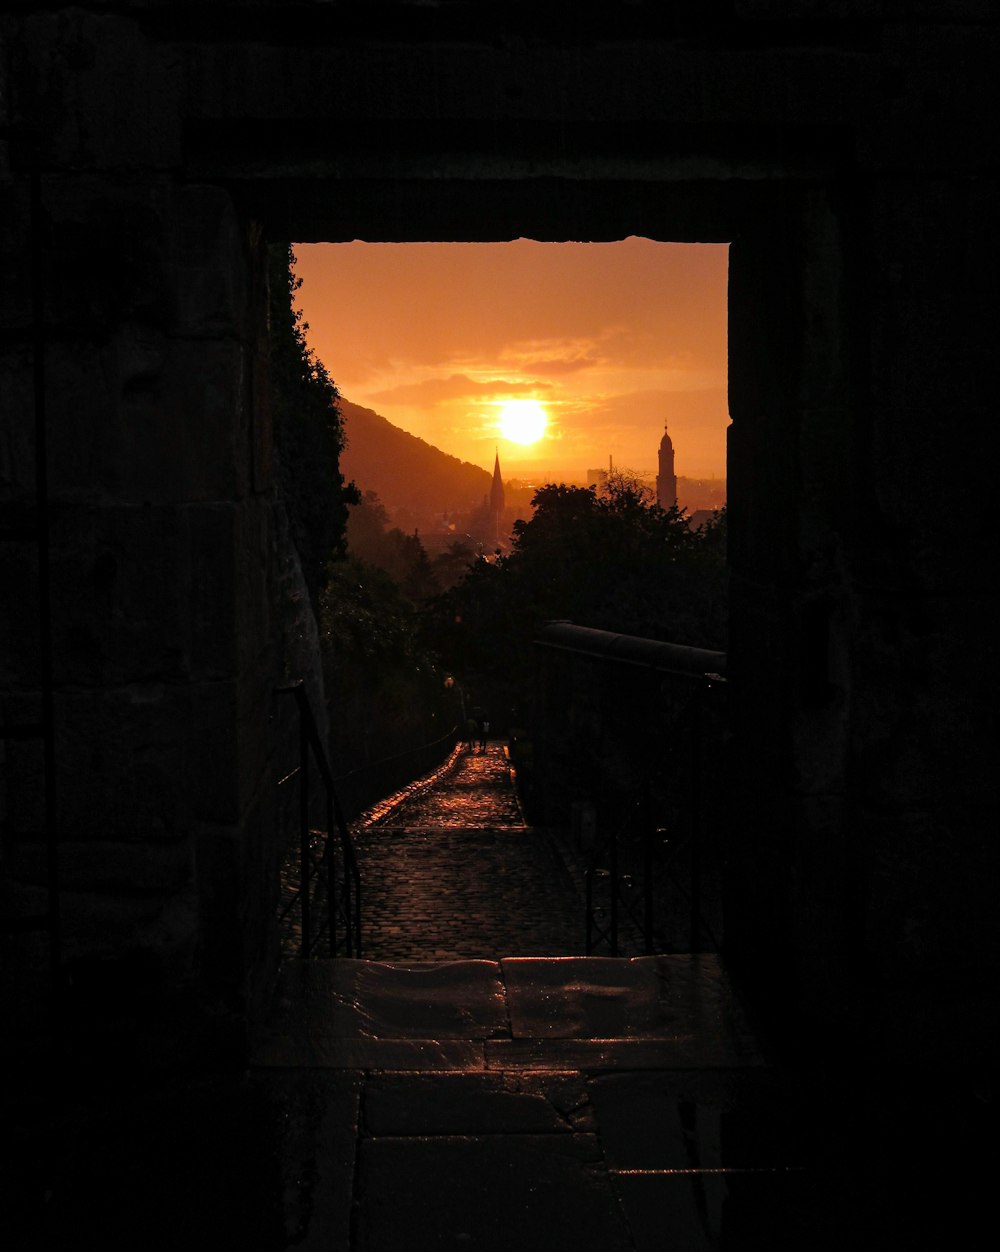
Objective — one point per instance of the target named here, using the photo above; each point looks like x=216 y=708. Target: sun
x=522 y=421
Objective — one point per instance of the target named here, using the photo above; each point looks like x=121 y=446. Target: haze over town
x=607 y=340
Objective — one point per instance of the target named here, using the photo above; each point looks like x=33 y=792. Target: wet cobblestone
x=450 y=871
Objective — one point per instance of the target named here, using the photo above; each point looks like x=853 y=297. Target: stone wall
x=840 y=148
x=153 y=326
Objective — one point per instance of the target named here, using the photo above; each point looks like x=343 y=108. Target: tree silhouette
x=309 y=433
x=613 y=560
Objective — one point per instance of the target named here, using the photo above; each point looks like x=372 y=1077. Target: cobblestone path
x=450 y=871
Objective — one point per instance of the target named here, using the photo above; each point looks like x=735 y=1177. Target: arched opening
x=615 y=343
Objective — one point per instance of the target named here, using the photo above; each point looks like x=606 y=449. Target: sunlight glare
x=522 y=421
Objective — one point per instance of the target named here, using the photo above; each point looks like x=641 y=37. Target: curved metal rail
x=343 y=922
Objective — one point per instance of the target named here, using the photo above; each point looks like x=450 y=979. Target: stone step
x=519 y=1013
x=538 y=1102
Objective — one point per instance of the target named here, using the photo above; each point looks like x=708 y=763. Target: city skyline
x=609 y=339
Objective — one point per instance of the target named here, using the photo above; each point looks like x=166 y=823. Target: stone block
x=144 y=591
x=102 y=95
x=923 y=722
x=150 y=868
x=932 y=345
x=489 y=1192
x=17 y=433
x=352 y=999
x=147 y=419
x=120 y=595
x=122 y=761
x=476 y=1104
x=83 y=435
x=940 y=72
x=15 y=255
x=212 y=595
x=106 y=254
x=684 y=1000
x=230 y=761
x=108 y=924
x=219 y=879
x=714 y=1119
x=182 y=413
x=214 y=767
x=207 y=264
x=317 y=1114
x=256 y=613
x=20 y=640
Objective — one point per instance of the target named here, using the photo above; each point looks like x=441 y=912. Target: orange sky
x=612 y=338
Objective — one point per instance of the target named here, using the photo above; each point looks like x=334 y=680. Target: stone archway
x=164 y=157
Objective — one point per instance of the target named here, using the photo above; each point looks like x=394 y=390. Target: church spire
x=497 y=492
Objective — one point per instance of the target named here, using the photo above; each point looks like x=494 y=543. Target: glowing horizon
x=608 y=340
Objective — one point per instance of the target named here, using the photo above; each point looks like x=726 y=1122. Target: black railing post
x=589 y=919
x=309 y=741
x=647 y=868
x=331 y=874
x=614 y=892
x=304 y=867
x=695 y=941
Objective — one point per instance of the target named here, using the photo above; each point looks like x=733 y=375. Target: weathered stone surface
x=317 y=1114
x=476 y=1104
x=15 y=254
x=362 y=999
x=207 y=265
x=704 y=1119
x=107 y=98
x=275 y=1051
x=785 y=1210
x=682 y=1050
x=122 y=752
x=489 y=1192
x=110 y=923
x=605 y=998
x=137 y=869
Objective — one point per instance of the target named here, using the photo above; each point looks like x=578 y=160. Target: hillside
x=407 y=472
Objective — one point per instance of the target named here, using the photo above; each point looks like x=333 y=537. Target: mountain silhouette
x=407 y=472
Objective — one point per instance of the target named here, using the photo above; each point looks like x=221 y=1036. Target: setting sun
x=522 y=421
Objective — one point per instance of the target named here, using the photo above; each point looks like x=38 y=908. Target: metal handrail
x=609 y=849
x=430 y=751
x=310 y=742
x=703 y=668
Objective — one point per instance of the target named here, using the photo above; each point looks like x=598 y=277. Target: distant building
x=699 y=518
x=598 y=477
x=666 y=479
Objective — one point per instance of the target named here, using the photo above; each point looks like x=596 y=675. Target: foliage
x=403 y=556
x=385 y=691
x=612 y=560
x=309 y=433
x=451 y=565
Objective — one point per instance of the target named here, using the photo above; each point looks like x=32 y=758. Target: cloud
x=681 y=409
x=431 y=391
x=551 y=356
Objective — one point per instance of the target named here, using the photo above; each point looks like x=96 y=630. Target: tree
x=402 y=556
x=611 y=559
x=308 y=431
x=451 y=565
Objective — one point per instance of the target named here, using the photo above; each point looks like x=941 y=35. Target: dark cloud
x=431 y=391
